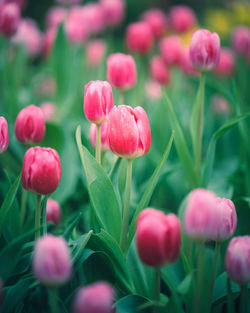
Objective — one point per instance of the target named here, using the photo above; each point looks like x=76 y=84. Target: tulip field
x=124 y=156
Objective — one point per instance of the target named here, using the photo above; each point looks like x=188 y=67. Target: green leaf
x=71 y=226
x=101 y=192
x=132 y=304
x=180 y=143
x=149 y=190
x=105 y=243
x=185 y=285
x=79 y=244
x=8 y=201
x=54 y=137
x=212 y=146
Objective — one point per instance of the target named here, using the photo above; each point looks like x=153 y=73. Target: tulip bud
x=182 y=18
x=9 y=19
x=95 y=52
x=157 y=20
x=139 y=38
x=171 y=50
x=201 y=218
x=159 y=71
x=226 y=65
x=98 y=101
x=53 y=212
x=204 y=50
x=96 y=298
x=77 y=27
x=104 y=136
x=158 y=237
x=121 y=71
x=114 y=11
x=56 y=16
x=52 y=264
x=41 y=171
x=4 y=135
x=238 y=260
x=129 y=132
x=30 y=125
x=241 y=41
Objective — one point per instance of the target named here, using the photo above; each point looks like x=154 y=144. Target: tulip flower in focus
x=226 y=65
x=129 y=131
x=9 y=19
x=30 y=125
x=171 y=50
x=182 y=18
x=121 y=71
x=41 y=171
x=4 y=135
x=158 y=237
x=98 y=101
x=53 y=212
x=157 y=20
x=95 y=52
x=95 y=298
x=159 y=71
x=238 y=260
x=104 y=136
x=114 y=11
x=52 y=263
x=139 y=38
x=204 y=50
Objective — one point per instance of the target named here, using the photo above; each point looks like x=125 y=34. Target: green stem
x=243 y=299
x=200 y=125
x=157 y=288
x=98 y=144
x=198 y=292
x=38 y=216
x=214 y=270
x=53 y=300
x=125 y=221
x=121 y=97
x=23 y=204
x=230 y=302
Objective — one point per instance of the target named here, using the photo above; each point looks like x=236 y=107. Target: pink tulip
x=129 y=131
x=202 y=217
x=9 y=19
x=4 y=135
x=77 y=27
x=93 y=15
x=41 y=171
x=157 y=20
x=104 y=136
x=121 y=71
x=55 y=16
x=139 y=38
x=48 y=41
x=98 y=101
x=53 y=212
x=204 y=51
x=241 y=41
x=20 y=3
x=95 y=52
x=48 y=109
x=159 y=70
x=153 y=90
x=220 y=105
x=30 y=125
x=186 y=67
x=238 y=260
x=114 y=11
x=52 y=265
x=182 y=18
x=158 y=237
x=226 y=65
x=171 y=50
x=95 y=298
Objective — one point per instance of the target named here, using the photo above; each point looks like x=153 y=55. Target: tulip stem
x=243 y=298
x=125 y=221
x=53 y=300
x=157 y=288
x=121 y=97
x=38 y=216
x=23 y=204
x=230 y=302
x=214 y=271
x=198 y=292
x=98 y=144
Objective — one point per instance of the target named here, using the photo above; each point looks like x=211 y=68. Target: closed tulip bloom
x=93 y=15
x=129 y=131
x=30 y=125
x=171 y=50
x=204 y=50
x=114 y=11
x=226 y=65
x=228 y=219
x=121 y=71
x=95 y=52
x=52 y=265
x=98 y=101
x=95 y=298
x=9 y=19
x=41 y=171
x=56 y=16
x=158 y=237
x=238 y=260
x=104 y=136
x=159 y=70
x=241 y=40
x=4 y=135
x=201 y=217
x=182 y=18
x=157 y=20
x=139 y=38
x=53 y=212
x=77 y=27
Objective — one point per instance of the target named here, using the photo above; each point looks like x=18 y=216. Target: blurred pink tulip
x=114 y=11
x=171 y=50
x=9 y=19
x=104 y=136
x=186 y=67
x=182 y=18
x=77 y=27
x=4 y=135
x=48 y=109
x=159 y=71
x=220 y=105
x=95 y=52
x=153 y=90
x=226 y=65
x=53 y=212
x=157 y=20
x=55 y=16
